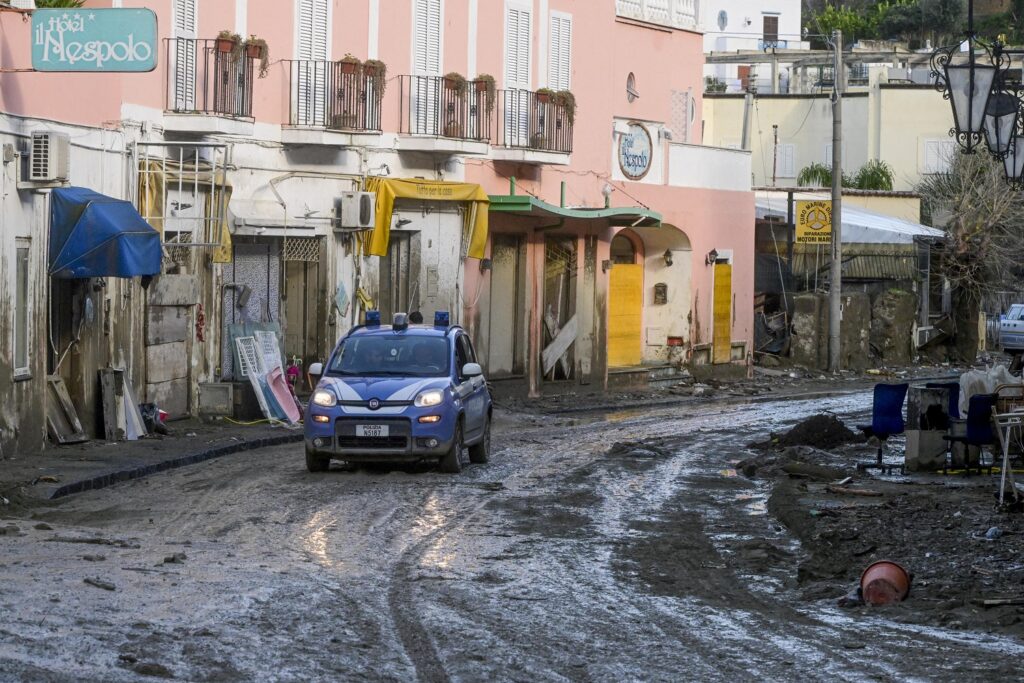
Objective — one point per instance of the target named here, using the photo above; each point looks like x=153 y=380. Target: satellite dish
x=723 y=20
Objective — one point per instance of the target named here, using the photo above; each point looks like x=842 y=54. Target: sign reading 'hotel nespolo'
x=95 y=40
x=635 y=151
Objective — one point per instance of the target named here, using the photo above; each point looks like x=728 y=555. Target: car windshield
x=391 y=356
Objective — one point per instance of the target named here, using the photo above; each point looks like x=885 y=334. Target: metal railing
x=433 y=105
x=201 y=79
x=528 y=121
x=333 y=95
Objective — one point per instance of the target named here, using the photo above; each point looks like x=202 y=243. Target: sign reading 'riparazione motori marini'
x=103 y=40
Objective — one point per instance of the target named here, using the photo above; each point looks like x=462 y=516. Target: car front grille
x=389 y=442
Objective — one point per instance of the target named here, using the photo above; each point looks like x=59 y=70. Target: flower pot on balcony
x=349 y=64
x=253 y=51
x=224 y=45
x=544 y=95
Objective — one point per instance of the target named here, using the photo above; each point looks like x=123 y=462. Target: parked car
x=1011 y=330
x=400 y=393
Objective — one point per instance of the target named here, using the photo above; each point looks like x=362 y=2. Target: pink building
x=617 y=243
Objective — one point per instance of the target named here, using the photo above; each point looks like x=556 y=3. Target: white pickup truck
x=1011 y=330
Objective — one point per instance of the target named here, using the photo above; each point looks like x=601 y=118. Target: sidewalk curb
x=103 y=480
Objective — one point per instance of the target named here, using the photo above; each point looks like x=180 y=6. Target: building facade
x=611 y=240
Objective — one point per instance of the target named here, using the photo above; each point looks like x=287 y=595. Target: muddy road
x=617 y=547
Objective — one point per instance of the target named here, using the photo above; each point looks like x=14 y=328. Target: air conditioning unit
x=50 y=158
x=354 y=210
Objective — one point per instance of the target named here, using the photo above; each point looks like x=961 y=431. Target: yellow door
x=625 y=303
x=721 y=330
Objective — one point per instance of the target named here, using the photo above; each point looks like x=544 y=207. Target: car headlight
x=429 y=398
x=324 y=398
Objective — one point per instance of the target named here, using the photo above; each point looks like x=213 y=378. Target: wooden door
x=625 y=306
x=505 y=317
x=722 y=314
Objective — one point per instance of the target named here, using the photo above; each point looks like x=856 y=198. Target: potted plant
x=485 y=84
x=544 y=95
x=455 y=81
x=538 y=141
x=257 y=48
x=228 y=42
x=349 y=64
x=567 y=101
x=377 y=72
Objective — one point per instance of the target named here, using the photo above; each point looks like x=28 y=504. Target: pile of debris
x=824 y=430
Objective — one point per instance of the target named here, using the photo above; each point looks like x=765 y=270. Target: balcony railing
x=433 y=105
x=528 y=121
x=332 y=95
x=203 y=80
x=683 y=14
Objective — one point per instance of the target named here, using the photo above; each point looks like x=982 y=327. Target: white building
x=731 y=25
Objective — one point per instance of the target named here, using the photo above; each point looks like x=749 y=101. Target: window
x=22 y=313
x=427 y=38
x=622 y=250
x=770 y=28
x=518 y=19
x=560 y=52
x=786 y=163
x=184 y=55
x=936 y=155
x=463 y=353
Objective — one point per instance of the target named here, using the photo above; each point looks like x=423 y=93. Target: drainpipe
x=562 y=200
x=748 y=104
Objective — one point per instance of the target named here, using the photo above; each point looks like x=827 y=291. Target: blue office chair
x=886 y=420
x=954 y=396
x=980 y=431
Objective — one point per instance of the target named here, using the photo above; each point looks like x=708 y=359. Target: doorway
x=304 y=312
x=506 y=317
x=625 y=304
x=721 y=317
x=394 y=276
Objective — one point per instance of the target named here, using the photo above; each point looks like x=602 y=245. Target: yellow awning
x=389 y=189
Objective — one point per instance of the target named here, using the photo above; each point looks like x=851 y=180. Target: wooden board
x=561 y=343
x=62 y=421
x=112 y=388
x=166 y=362
x=625 y=309
x=174 y=290
x=721 y=321
x=166 y=324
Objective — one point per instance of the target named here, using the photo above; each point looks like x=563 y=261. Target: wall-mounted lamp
x=606 y=265
x=668 y=257
x=711 y=258
x=402 y=221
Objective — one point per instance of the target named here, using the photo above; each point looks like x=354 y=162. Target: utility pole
x=835 y=307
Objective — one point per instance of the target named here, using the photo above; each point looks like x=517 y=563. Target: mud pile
x=824 y=430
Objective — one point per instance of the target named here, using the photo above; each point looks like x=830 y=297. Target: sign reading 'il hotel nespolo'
x=95 y=40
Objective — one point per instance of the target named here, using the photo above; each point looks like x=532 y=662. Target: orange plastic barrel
x=884 y=582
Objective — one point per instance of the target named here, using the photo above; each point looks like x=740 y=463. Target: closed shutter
x=518 y=22
x=786 y=165
x=425 y=88
x=183 y=85
x=560 y=56
x=312 y=45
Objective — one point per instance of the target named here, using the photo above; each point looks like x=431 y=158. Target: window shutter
x=560 y=57
x=184 y=55
x=517 y=47
x=312 y=44
x=427 y=38
x=787 y=161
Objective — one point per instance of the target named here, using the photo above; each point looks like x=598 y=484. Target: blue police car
x=402 y=393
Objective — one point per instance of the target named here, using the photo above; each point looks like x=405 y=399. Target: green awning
x=531 y=207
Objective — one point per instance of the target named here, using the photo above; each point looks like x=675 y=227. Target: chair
x=954 y=396
x=886 y=420
x=979 y=432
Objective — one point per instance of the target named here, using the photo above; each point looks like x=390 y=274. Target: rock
x=176 y=558
x=769 y=361
x=152 y=669
x=892 y=322
x=993 y=533
x=10 y=530
x=100 y=583
x=93 y=558
x=43 y=526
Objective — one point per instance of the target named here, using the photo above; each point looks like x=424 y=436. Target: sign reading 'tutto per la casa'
x=87 y=39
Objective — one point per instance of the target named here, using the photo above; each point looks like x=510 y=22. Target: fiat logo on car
x=373 y=403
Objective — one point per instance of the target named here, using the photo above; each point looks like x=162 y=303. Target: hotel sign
x=94 y=40
x=635 y=151
x=814 y=222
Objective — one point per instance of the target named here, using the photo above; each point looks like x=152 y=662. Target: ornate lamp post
x=985 y=107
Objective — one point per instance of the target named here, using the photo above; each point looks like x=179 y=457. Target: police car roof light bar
x=373 y=318
x=441 y=319
x=400 y=321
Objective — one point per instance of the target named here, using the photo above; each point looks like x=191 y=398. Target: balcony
x=441 y=116
x=208 y=91
x=531 y=128
x=331 y=103
x=683 y=14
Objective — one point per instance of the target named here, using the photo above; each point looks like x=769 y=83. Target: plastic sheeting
x=860 y=225
x=93 y=235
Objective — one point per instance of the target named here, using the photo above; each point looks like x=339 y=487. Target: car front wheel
x=452 y=460
x=316 y=462
x=480 y=452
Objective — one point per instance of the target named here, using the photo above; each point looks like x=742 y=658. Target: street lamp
x=984 y=106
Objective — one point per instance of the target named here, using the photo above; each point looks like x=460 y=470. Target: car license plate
x=372 y=431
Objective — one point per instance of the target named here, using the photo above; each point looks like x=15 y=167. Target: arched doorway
x=625 y=300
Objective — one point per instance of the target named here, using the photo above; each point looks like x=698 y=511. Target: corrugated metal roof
x=861 y=262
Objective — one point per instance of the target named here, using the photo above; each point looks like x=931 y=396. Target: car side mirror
x=472 y=370
x=316 y=369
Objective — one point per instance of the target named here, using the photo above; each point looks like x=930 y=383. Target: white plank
x=561 y=343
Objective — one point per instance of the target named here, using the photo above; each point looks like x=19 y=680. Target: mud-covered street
x=619 y=546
